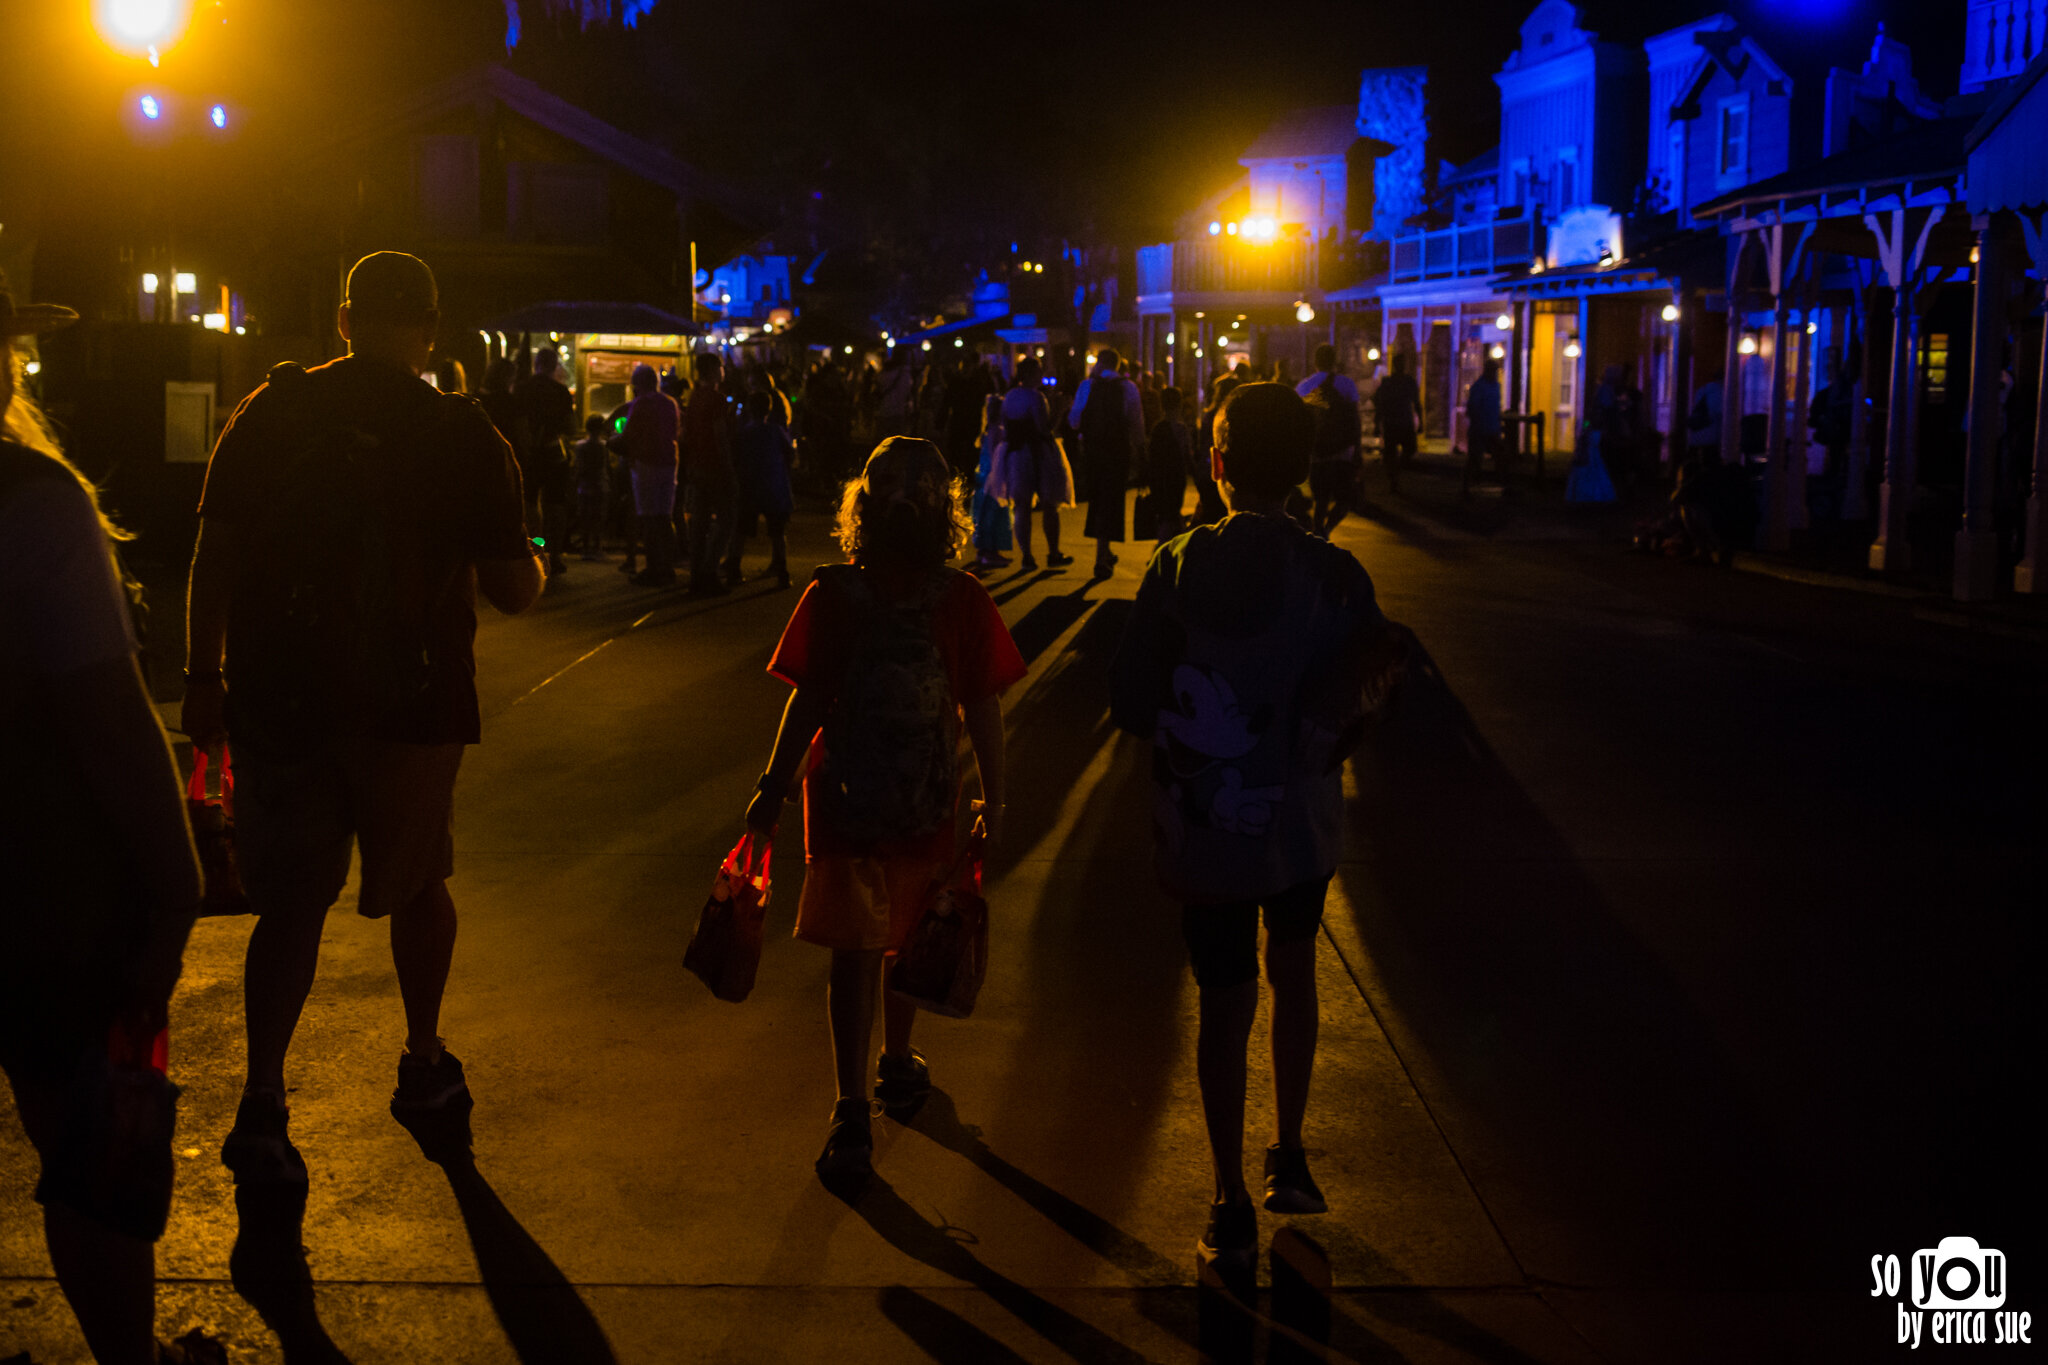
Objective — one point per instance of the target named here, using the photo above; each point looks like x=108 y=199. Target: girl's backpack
x=891 y=733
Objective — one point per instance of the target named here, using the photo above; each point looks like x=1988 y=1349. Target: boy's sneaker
x=1056 y=560
x=1231 y=1241
x=1289 y=1186
x=429 y=1087
x=850 y=1146
x=1028 y=564
x=257 y=1148
x=903 y=1084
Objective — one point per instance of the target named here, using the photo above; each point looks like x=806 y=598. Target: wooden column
x=1855 y=505
x=1976 y=565
x=1777 y=442
x=1797 y=458
x=1901 y=252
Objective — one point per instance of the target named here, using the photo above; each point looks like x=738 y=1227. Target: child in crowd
x=1245 y=663
x=1169 y=449
x=593 y=468
x=890 y=654
x=991 y=516
x=761 y=451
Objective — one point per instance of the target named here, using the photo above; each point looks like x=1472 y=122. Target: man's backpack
x=891 y=732
x=340 y=580
x=1338 y=428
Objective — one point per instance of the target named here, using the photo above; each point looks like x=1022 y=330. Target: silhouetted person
x=350 y=515
x=891 y=656
x=761 y=456
x=550 y=427
x=649 y=444
x=1035 y=470
x=1110 y=417
x=1244 y=665
x=101 y=879
x=710 y=489
x=1483 y=433
x=1333 y=474
x=1397 y=403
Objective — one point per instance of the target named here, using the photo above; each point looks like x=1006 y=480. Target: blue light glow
x=219 y=115
x=150 y=108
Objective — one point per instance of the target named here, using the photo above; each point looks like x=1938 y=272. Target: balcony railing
x=1480 y=249
x=1291 y=266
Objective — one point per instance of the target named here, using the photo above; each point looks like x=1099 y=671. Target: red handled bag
x=726 y=949
x=213 y=830
x=945 y=959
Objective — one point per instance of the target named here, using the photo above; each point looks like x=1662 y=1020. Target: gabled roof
x=550 y=111
x=2008 y=100
x=1485 y=166
x=1299 y=134
x=1924 y=154
x=1730 y=51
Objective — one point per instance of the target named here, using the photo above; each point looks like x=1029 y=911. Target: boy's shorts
x=654 y=490
x=1223 y=940
x=864 y=904
x=297 y=817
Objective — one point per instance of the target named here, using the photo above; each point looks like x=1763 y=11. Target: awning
x=641 y=319
x=963 y=329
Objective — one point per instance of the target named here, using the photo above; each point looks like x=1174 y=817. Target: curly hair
x=940 y=500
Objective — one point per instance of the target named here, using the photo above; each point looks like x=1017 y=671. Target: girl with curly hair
x=891 y=654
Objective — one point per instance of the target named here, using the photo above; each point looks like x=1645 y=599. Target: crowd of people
x=352 y=516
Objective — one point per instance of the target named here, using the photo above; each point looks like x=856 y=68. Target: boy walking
x=1244 y=664
x=891 y=655
x=593 y=470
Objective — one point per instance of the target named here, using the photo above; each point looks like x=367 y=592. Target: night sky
x=936 y=132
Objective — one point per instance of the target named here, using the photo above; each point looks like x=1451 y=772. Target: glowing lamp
x=1169 y=338
x=1500 y=353
x=218 y=115
x=140 y=28
x=241 y=331
x=1572 y=351
x=849 y=350
x=1198 y=352
x=1813 y=329
x=927 y=345
x=1230 y=228
x=1304 y=312
x=1039 y=352
x=149 y=282
x=1038 y=268
x=151 y=109
x=1670 y=312
x=1025 y=266
x=215 y=322
x=184 y=282
x=1215 y=228
x=1748 y=346
x=1373 y=354
x=959 y=341
x=32 y=367
x=1506 y=322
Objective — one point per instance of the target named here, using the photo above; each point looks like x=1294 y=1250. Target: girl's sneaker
x=429 y=1087
x=850 y=1146
x=905 y=1084
x=1231 y=1241
x=1289 y=1186
x=258 y=1150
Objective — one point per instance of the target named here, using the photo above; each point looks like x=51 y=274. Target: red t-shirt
x=980 y=657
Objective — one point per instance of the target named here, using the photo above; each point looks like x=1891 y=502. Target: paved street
x=1682 y=960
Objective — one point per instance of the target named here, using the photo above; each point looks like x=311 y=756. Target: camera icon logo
x=1958 y=1274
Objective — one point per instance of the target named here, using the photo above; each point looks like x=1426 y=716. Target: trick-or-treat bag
x=213 y=829
x=726 y=949
x=945 y=959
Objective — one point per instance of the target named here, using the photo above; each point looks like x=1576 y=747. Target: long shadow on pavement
x=941 y=1333
x=268 y=1268
x=542 y=1315
x=945 y=1249
x=1587 y=1097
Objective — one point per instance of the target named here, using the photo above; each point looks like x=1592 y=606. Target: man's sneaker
x=850 y=1146
x=429 y=1087
x=1231 y=1241
x=903 y=1084
x=1289 y=1186
x=257 y=1149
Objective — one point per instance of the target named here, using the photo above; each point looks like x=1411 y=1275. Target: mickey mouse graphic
x=1199 y=738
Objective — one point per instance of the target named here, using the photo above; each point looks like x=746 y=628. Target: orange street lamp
x=141 y=28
